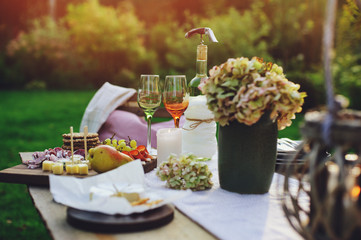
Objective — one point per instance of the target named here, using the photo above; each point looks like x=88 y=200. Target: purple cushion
x=125 y=124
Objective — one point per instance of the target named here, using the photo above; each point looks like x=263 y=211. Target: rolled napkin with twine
x=199 y=129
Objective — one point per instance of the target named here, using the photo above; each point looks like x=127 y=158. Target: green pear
x=104 y=158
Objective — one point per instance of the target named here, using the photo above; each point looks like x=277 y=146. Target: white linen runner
x=229 y=215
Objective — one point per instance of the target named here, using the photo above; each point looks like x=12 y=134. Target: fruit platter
x=74 y=159
x=131 y=149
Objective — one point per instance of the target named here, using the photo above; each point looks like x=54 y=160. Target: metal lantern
x=330 y=177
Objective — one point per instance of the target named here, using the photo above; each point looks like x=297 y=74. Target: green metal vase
x=247 y=156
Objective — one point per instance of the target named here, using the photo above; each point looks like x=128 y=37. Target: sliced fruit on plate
x=104 y=158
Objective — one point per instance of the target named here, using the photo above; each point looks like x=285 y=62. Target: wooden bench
x=132 y=106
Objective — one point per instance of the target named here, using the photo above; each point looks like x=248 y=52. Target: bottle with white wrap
x=199 y=130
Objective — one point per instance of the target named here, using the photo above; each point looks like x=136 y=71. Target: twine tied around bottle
x=197 y=122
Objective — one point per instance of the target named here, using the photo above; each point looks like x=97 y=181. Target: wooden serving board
x=23 y=175
x=103 y=223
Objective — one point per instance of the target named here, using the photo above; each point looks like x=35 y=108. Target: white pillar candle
x=169 y=141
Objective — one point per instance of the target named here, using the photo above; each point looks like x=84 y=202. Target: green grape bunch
x=121 y=144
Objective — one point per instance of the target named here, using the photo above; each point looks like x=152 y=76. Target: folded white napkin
x=94 y=193
x=105 y=101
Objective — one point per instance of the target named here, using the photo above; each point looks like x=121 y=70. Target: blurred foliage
x=295 y=38
x=90 y=45
x=108 y=41
x=94 y=41
x=239 y=34
x=178 y=55
x=39 y=55
x=347 y=65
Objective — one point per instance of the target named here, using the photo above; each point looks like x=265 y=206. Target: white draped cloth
x=104 y=102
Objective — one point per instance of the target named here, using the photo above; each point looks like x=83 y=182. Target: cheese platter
x=21 y=174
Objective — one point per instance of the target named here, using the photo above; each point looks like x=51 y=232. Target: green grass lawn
x=34 y=121
x=31 y=121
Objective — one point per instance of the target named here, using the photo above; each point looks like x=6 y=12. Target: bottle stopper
x=202 y=31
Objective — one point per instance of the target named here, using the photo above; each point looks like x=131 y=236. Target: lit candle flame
x=355 y=192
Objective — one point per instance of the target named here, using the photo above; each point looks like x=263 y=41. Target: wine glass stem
x=149 y=135
x=176 y=122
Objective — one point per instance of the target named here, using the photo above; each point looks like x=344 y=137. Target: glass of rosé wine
x=175 y=96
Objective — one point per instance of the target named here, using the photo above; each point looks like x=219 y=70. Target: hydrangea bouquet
x=243 y=90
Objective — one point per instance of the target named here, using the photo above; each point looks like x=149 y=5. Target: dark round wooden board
x=149 y=166
x=99 y=222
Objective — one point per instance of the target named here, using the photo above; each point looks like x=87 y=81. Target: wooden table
x=54 y=214
x=54 y=217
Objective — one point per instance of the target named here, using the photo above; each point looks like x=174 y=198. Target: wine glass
x=175 y=96
x=149 y=99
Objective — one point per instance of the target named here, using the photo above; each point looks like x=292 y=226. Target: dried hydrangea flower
x=243 y=90
x=187 y=172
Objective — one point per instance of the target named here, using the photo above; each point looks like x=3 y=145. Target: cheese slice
x=83 y=169
x=57 y=168
x=72 y=169
x=47 y=165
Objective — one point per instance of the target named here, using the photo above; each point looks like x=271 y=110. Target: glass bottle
x=201 y=70
x=199 y=129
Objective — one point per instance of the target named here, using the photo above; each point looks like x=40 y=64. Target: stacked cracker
x=92 y=140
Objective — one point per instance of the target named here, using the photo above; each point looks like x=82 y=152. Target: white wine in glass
x=149 y=99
